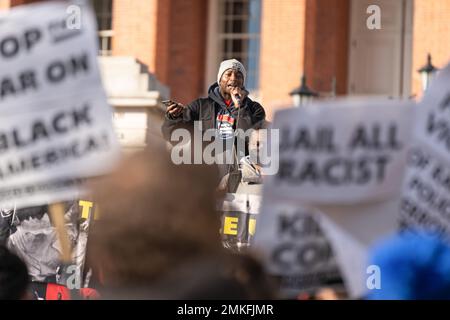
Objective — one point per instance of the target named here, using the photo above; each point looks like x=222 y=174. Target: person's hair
x=14 y=277
x=232 y=276
x=154 y=215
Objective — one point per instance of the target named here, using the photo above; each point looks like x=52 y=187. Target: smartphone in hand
x=167 y=102
x=176 y=109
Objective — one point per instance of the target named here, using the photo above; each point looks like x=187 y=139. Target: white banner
x=352 y=231
x=342 y=152
x=426 y=193
x=295 y=249
x=55 y=122
x=345 y=161
x=40 y=57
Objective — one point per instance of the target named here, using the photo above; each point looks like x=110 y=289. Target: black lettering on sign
x=418 y=158
x=319 y=139
x=32 y=37
x=303 y=256
x=440 y=128
x=430 y=197
x=24 y=82
x=58 y=71
x=10 y=46
x=297 y=225
x=334 y=171
x=441 y=175
x=60 y=123
x=28 y=80
x=39 y=132
x=54 y=155
x=59 y=32
x=414 y=215
x=82 y=116
x=4 y=143
x=445 y=104
x=285 y=139
x=375 y=137
x=7 y=87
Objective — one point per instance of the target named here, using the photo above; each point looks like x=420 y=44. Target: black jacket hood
x=214 y=93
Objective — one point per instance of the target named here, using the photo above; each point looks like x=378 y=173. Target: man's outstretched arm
x=179 y=116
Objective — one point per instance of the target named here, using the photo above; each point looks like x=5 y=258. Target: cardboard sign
x=337 y=191
x=55 y=123
x=238 y=221
x=352 y=230
x=426 y=191
x=30 y=234
x=295 y=248
x=342 y=152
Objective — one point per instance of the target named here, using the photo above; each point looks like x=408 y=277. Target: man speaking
x=226 y=109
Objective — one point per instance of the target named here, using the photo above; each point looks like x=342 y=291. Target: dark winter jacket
x=207 y=109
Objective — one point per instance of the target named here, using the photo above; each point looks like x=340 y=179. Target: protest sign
x=30 y=233
x=238 y=221
x=352 y=231
x=40 y=56
x=55 y=123
x=426 y=194
x=345 y=161
x=295 y=249
x=342 y=152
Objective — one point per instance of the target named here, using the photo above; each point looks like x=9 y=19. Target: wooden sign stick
x=57 y=212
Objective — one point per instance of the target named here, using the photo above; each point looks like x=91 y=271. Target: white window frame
x=105 y=35
x=215 y=38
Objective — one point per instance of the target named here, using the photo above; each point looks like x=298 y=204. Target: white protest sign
x=342 y=151
x=352 y=231
x=345 y=160
x=295 y=248
x=426 y=194
x=41 y=57
x=55 y=122
x=239 y=218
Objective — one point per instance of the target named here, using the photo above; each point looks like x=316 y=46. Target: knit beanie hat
x=231 y=64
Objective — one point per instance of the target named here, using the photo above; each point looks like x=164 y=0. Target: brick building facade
x=182 y=42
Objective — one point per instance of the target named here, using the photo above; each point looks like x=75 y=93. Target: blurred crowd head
x=159 y=234
x=13 y=276
x=154 y=216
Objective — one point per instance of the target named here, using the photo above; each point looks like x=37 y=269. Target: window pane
x=103 y=12
x=108 y=6
x=226 y=27
x=240 y=8
x=229 y=7
x=108 y=45
x=237 y=26
x=237 y=46
x=99 y=23
x=108 y=24
x=241 y=20
x=226 y=46
x=97 y=5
